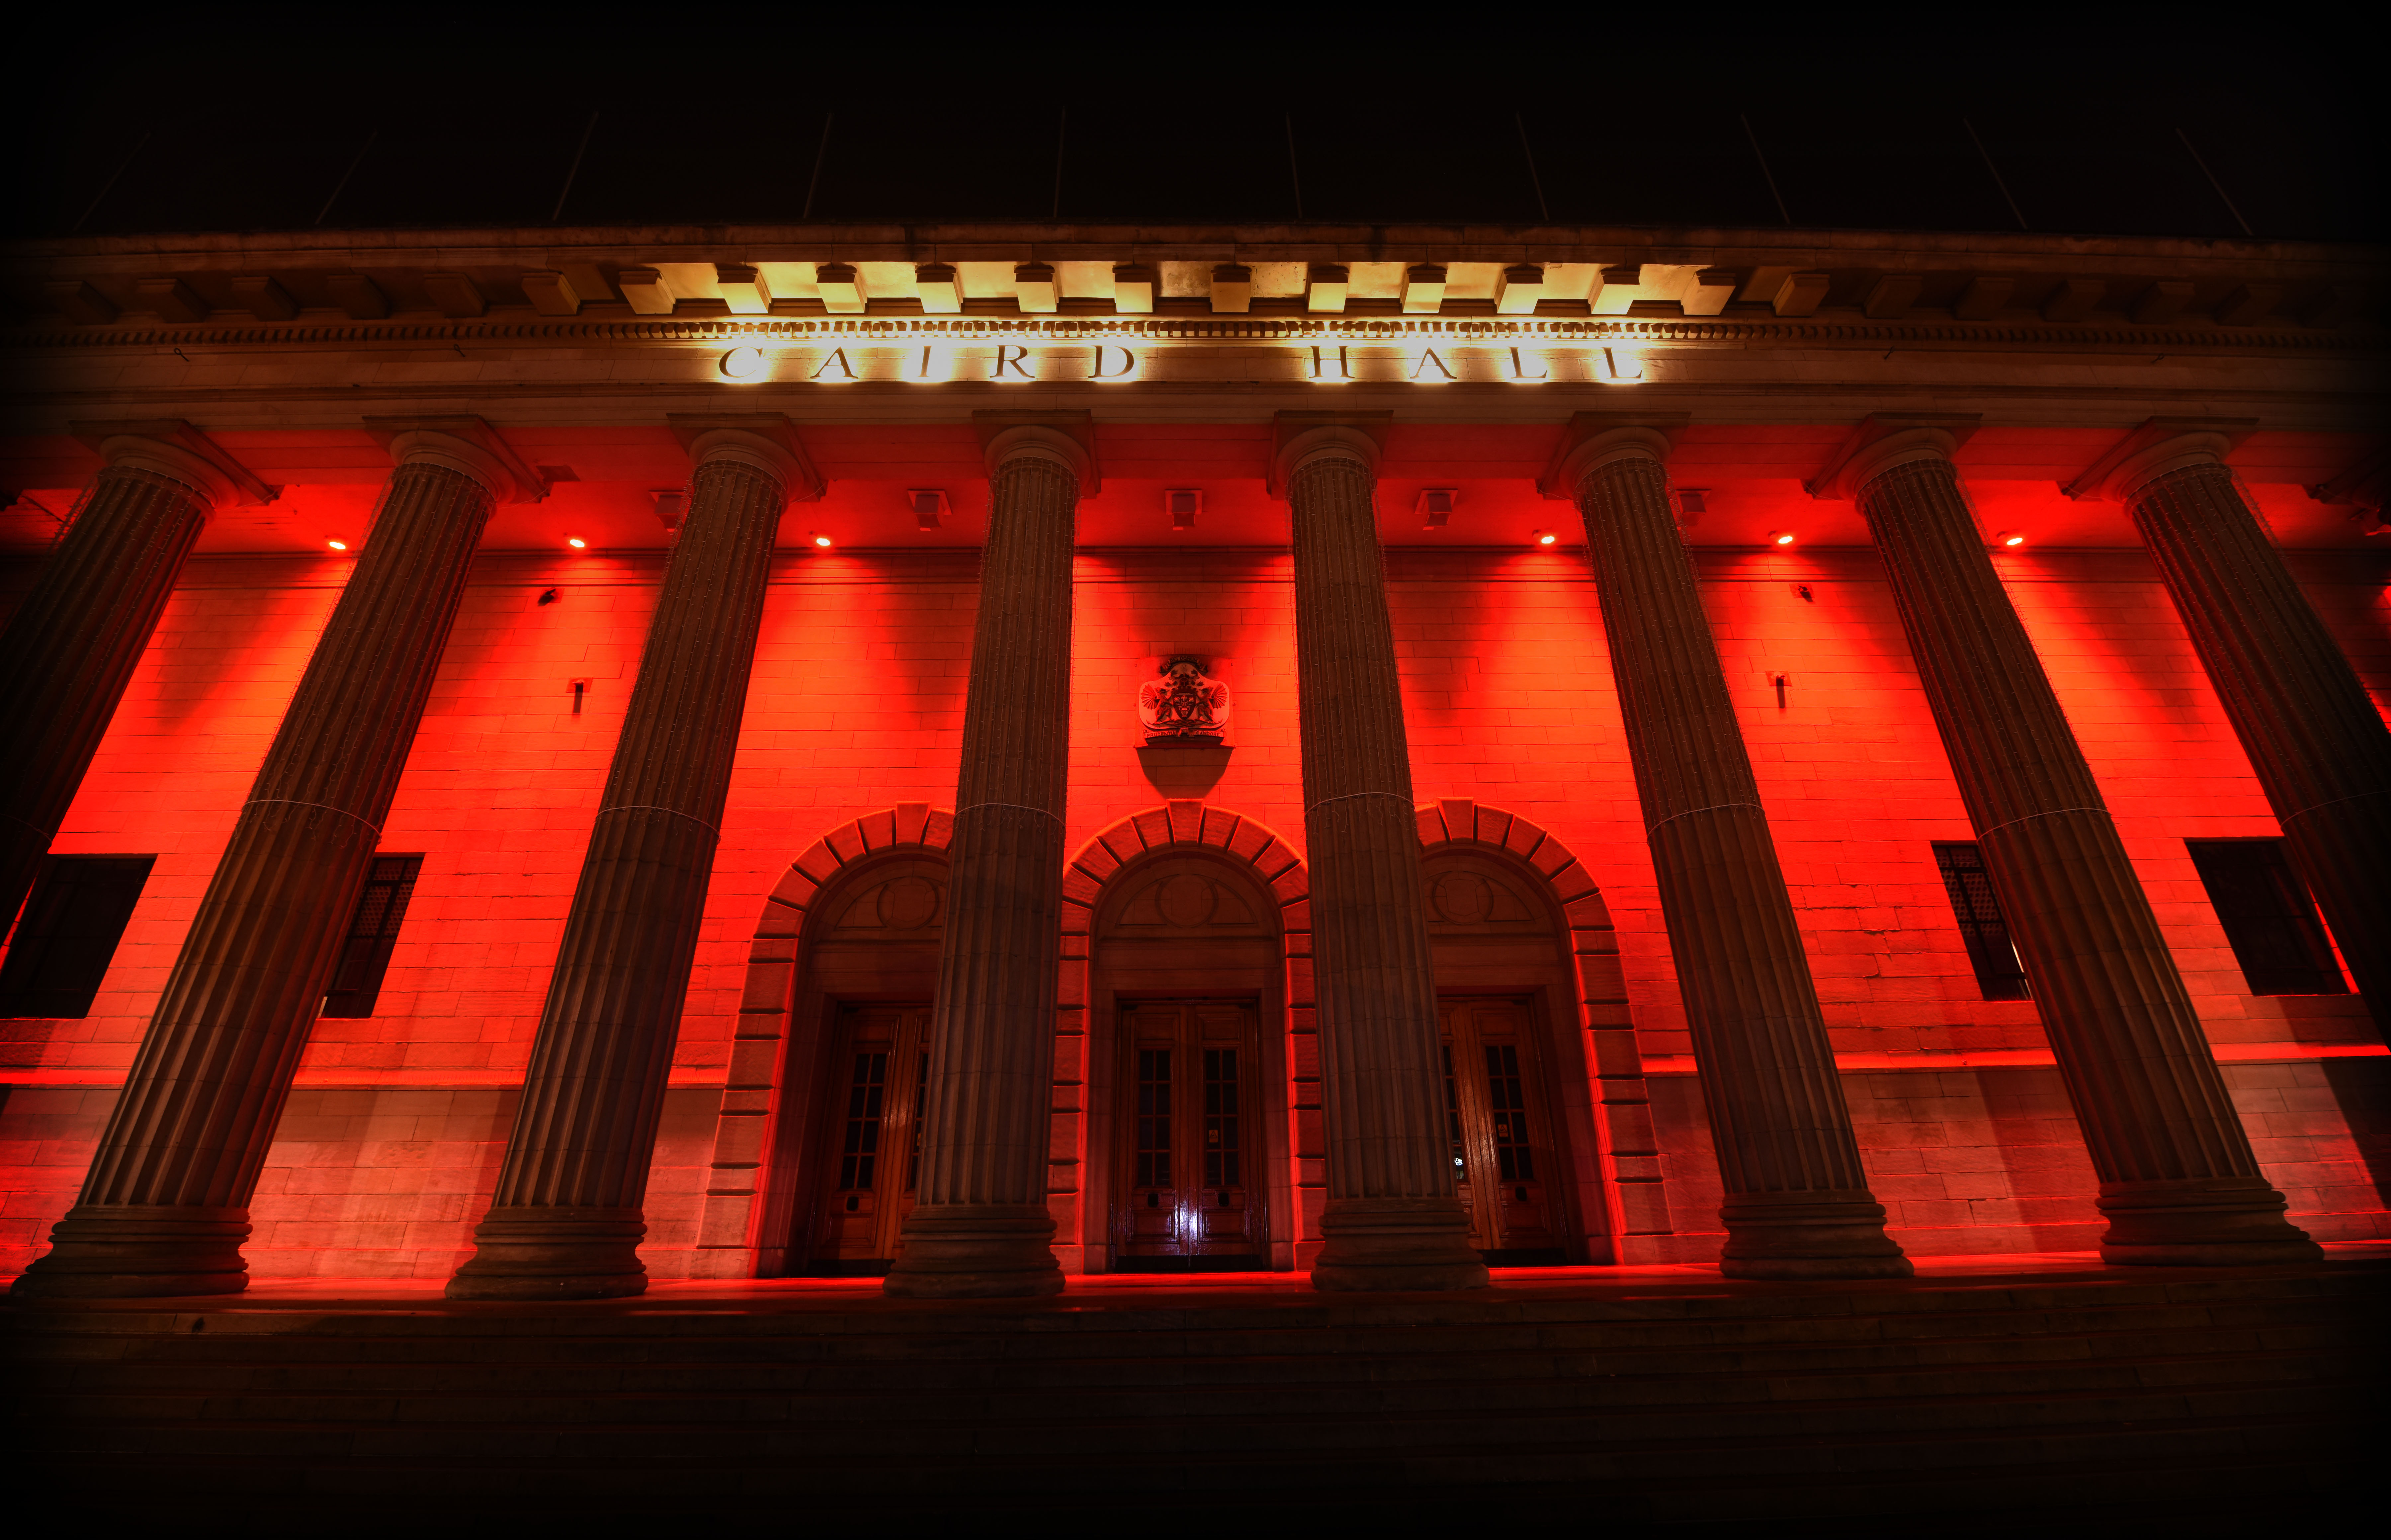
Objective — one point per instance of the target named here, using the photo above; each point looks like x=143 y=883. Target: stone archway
x=1626 y=1156
x=742 y=1229
x=1137 y=842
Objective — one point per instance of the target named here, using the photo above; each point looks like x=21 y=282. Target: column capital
x=1885 y=440
x=1596 y=438
x=463 y=443
x=1066 y=439
x=765 y=440
x=173 y=449
x=1297 y=436
x=2161 y=444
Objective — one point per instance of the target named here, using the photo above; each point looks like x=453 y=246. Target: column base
x=2222 y=1222
x=102 y=1251
x=1396 y=1244
x=554 y=1254
x=1788 y=1237
x=976 y=1251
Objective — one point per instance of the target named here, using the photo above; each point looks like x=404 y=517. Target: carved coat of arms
x=1185 y=707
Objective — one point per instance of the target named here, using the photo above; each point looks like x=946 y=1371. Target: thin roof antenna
x=1528 y=150
x=342 y=186
x=573 y=169
x=1293 y=174
x=821 y=153
x=1782 y=211
x=109 y=186
x=2014 y=211
x=1062 y=126
x=2213 y=182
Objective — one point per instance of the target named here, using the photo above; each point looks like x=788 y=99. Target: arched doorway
x=1189 y=1160
x=1518 y=968
x=814 y=1154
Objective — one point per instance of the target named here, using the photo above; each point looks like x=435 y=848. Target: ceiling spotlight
x=1545 y=537
x=1780 y=536
x=743 y=363
x=822 y=541
x=576 y=542
x=2010 y=537
x=338 y=545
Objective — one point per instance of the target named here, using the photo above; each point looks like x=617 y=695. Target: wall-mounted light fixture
x=1780 y=536
x=1546 y=538
x=2008 y=537
x=1435 y=506
x=547 y=597
x=1183 y=503
x=822 y=541
x=579 y=688
x=929 y=505
x=1780 y=681
x=338 y=545
x=576 y=542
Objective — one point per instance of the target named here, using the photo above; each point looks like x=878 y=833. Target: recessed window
x=364 y=954
x=1999 y=976
x=2269 y=920
x=73 y=920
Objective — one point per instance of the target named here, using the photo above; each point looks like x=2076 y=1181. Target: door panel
x=881 y=1066
x=1191 y=1095
x=1503 y=1155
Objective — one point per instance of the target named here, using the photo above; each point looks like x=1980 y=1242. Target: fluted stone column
x=1393 y=1220
x=980 y=1227
x=165 y=1207
x=1797 y=1202
x=2179 y=1184
x=71 y=648
x=566 y=1219
x=2320 y=749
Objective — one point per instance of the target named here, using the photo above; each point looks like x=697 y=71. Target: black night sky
x=2142 y=123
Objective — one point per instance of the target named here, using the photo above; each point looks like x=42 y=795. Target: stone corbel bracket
x=2153 y=447
x=1567 y=464
x=1869 y=445
x=177 y=449
x=492 y=458
x=1074 y=440
x=775 y=438
x=1289 y=426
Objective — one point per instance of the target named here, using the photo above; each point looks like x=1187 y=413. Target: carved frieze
x=1183 y=706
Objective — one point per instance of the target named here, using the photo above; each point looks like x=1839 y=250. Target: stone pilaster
x=981 y=1227
x=2178 y=1182
x=1797 y=1200
x=1393 y=1220
x=565 y=1221
x=2320 y=750
x=71 y=648
x=166 y=1205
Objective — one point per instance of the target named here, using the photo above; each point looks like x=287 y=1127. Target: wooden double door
x=1187 y=1167
x=1504 y=1159
x=879 y=1074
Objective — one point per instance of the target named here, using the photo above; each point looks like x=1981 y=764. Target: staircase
x=1971 y=1402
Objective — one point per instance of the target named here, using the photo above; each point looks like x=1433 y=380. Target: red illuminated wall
x=389 y=1147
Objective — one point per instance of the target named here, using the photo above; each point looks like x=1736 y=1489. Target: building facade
x=989 y=754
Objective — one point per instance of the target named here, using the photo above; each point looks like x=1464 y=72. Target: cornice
x=898 y=329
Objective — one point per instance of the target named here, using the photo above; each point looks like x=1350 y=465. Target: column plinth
x=980 y=1227
x=1393 y=1219
x=565 y=1221
x=71 y=648
x=2178 y=1182
x=1797 y=1203
x=166 y=1205
x=2320 y=750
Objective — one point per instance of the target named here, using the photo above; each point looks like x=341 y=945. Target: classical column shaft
x=1393 y=1220
x=2178 y=1182
x=165 y=1207
x=2320 y=750
x=980 y=1225
x=71 y=648
x=565 y=1221
x=1797 y=1200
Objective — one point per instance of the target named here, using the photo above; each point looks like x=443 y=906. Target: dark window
x=382 y=909
x=1990 y=950
x=2267 y=916
x=69 y=931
